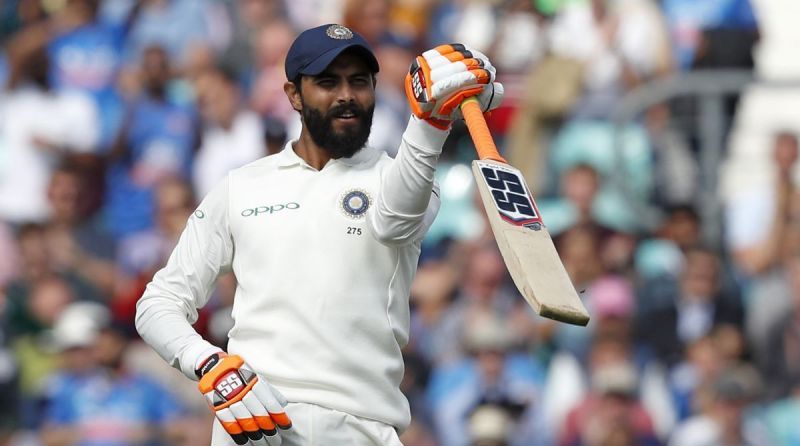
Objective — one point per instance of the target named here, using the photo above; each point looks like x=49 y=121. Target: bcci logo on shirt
x=355 y=203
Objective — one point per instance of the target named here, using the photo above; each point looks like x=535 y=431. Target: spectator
x=157 y=141
x=522 y=36
x=177 y=26
x=611 y=413
x=676 y=171
x=36 y=265
x=577 y=206
x=763 y=237
x=391 y=108
x=701 y=365
x=780 y=352
x=34 y=145
x=763 y=213
x=30 y=343
x=624 y=43
x=87 y=56
x=370 y=18
x=699 y=305
x=660 y=258
x=432 y=292
x=267 y=97
x=726 y=421
x=493 y=374
x=780 y=417
x=484 y=291
x=232 y=135
x=97 y=401
x=698 y=32
x=78 y=243
x=143 y=253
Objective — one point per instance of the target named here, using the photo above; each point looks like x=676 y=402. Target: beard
x=342 y=144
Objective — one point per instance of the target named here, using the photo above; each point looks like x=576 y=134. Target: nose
x=345 y=93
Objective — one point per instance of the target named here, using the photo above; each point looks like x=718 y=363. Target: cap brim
x=318 y=66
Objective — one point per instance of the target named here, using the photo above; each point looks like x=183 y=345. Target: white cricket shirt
x=324 y=262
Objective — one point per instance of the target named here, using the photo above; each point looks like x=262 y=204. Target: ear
x=293 y=93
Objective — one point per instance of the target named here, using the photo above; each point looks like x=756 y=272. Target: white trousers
x=314 y=425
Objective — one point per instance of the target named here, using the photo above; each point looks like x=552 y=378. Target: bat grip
x=479 y=131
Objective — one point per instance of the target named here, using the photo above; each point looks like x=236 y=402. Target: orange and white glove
x=246 y=405
x=441 y=78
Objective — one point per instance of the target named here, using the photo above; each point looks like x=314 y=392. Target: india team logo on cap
x=339 y=32
x=355 y=203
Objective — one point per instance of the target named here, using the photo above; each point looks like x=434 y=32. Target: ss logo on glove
x=230 y=385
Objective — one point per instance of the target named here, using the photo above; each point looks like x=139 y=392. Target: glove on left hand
x=247 y=406
x=441 y=78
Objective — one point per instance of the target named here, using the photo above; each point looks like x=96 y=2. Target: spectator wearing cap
x=94 y=399
x=490 y=425
x=494 y=374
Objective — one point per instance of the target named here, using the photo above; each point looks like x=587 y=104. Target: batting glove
x=441 y=78
x=246 y=405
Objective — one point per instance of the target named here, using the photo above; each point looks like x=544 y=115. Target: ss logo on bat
x=511 y=196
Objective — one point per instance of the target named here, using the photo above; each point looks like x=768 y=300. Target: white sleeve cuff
x=424 y=137
x=194 y=355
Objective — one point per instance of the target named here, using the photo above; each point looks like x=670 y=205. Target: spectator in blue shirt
x=157 y=141
x=94 y=400
x=87 y=56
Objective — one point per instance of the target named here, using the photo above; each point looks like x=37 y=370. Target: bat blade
x=525 y=243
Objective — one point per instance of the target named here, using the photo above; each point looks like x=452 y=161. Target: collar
x=288 y=158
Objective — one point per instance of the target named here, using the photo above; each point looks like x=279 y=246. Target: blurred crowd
x=116 y=116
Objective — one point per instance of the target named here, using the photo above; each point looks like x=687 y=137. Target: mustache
x=343 y=109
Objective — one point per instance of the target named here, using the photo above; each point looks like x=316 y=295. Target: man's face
x=337 y=105
x=155 y=69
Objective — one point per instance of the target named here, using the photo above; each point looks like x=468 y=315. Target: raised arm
x=437 y=82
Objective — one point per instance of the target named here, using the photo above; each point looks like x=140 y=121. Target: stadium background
x=659 y=138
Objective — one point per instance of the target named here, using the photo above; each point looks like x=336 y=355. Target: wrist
x=441 y=124
x=195 y=355
x=208 y=363
x=424 y=136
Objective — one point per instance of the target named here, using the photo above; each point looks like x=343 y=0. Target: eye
x=360 y=81
x=326 y=83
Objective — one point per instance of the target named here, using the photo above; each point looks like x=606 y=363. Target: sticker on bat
x=511 y=196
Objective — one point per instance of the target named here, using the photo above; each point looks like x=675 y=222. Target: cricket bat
x=521 y=235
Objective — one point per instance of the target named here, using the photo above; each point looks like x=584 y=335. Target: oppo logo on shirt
x=271 y=209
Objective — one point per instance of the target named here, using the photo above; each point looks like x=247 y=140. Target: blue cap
x=314 y=49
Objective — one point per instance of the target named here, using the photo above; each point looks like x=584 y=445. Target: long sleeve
x=169 y=305
x=408 y=199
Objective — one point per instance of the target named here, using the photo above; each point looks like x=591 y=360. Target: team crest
x=355 y=203
x=339 y=32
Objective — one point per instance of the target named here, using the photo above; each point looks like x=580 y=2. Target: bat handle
x=479 y=131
